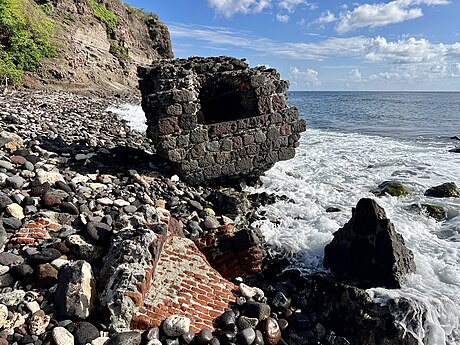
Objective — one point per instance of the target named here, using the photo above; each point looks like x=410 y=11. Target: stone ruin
x=216 y=119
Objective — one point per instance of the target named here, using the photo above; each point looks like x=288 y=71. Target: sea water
x=354 y=142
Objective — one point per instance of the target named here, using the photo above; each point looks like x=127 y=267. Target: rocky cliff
x=100 y=43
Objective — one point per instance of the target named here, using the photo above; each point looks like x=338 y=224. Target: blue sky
x=325 y=45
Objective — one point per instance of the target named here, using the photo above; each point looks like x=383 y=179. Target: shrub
x=25 y=33
x=106 y=16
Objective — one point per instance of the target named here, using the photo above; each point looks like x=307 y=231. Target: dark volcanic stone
x=257 y=310
x=85 y=333
x=369 y=249
x=46 y=255
x=203 y=337
x=5 y=200
x=3 y=235
x=22 y=271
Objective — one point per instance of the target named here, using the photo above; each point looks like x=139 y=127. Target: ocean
x=354 y=142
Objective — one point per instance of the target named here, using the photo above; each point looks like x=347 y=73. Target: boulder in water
x=393 y=188
x=369 y=250
x=445 y=190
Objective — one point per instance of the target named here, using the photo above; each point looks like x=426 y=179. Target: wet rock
x=75 y=294
x=247 y=336
x=393 y=188
x=176 y=325
x=445 y=190
x=369 y=249
x=203 y=337
x=281 y=301
x=271 y=331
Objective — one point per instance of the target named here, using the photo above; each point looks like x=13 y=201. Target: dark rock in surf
x=445 y=190
x=368 y=249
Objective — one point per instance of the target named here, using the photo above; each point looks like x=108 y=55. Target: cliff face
x=100 y=43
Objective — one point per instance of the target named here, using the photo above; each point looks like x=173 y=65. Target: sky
x=408 y=45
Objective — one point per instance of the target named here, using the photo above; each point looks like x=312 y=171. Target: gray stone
x=10 y=259
x=76 y=292
x=257 y=310
x=126 y=338
x=15 y=181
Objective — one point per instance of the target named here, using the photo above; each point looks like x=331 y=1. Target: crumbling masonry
x=216 y=119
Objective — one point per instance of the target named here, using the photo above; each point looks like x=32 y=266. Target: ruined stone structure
x=217 y=119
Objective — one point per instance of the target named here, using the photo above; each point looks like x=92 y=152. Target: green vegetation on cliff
x=25 y=33
x=102 y=13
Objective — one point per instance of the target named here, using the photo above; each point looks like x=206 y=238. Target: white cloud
x=409 y=50
x=230 y=7
x=381 y=14
x=327 y=17
x=290 y=5
x=355 y=75
x=352 y=46
x=306 y=78
x=282 y=18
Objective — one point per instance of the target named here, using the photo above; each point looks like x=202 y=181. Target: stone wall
x=216 y=119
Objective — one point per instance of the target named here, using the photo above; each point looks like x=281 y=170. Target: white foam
x=132 y=113
x=337 y=169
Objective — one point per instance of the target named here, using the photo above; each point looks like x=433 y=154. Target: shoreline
x=102 y=160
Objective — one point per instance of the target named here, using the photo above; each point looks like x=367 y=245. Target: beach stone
x=69 y=207
x=6 y=280
x=54 y=197
x=105 y=201
x=250 y=292
x=3 y=269
x=3 y=314
x=247 y=336
x=188 y=337
x=3 y=178
x=10 y=259
x=5 y=200
x=45 y=255
x=203 y=337
x=12 y=298
x=6 y=165
x=10 y=141
x=155 y=342
x=50 y=177
x=63 y=186
x=85 y=333
x=100 y=232
x=83 y=249
x=121 y=203
x=247 y=322
x=15 y=181
x=281 y=301
x=14 y=321
x=257 y=310
x=272 y=331
x=101 y=341
x=33 y=306
x=15 y=211
x=228 y=318
x=210 y=222
x=126 y=338
x=445 y=190
x=12 y=223
x=176 y=325
x=47 y=276
x=369 y=249
x=76 y=293
x=62 y=336
x=22 y=270
x=38 y=323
